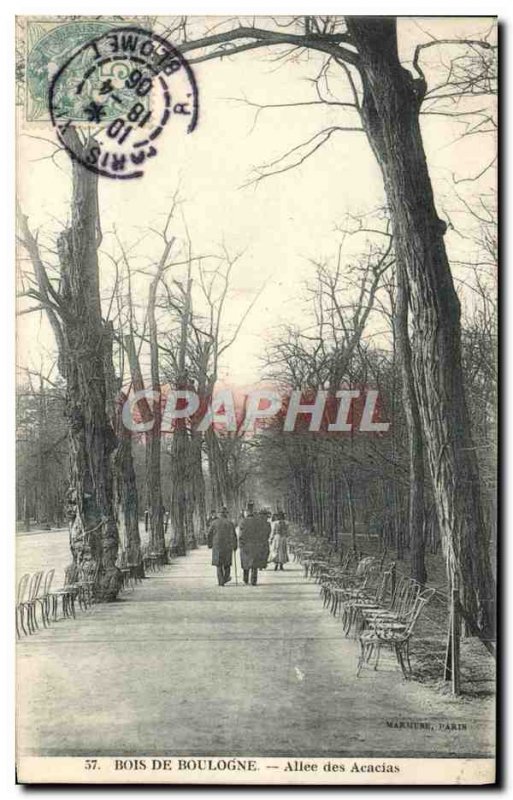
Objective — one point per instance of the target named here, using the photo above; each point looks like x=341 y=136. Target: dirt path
x=182 y=666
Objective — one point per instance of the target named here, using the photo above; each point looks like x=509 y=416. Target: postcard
x=257 y=377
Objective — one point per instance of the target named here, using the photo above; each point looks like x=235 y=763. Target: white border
x=221 y=7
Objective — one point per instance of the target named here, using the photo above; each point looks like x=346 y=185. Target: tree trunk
x=43 y=513
x=181 y=494
x=126 y=494
x=198 y=485
x=390 y=115
x=350 y=507
x=92 y=522
x=26 y=511
x=216 y=469
x=126 y=503
x=179 y=479
x=413 y=424
x=153 y=437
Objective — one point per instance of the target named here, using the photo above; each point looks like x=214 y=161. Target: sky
x=277 y=226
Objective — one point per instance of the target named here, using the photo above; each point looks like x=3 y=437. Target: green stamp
x=49 y=44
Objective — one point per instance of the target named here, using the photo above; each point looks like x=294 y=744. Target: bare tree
x=74 y=312
x=387 y=99
x=207 y=347
x=41 y=456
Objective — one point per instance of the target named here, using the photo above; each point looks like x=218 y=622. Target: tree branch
x=325 y=43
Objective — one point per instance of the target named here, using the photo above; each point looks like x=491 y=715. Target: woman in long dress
x=278 y=542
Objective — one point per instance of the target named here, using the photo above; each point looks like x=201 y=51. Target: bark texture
x=92 y=522
x=125 y=497
x=153 y=437
x=414 y=428
x=390 y=114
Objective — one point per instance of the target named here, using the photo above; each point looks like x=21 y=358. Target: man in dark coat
x=222 y=540
x=254 y=533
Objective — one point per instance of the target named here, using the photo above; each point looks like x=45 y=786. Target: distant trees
x=326 y=479
x=182 y=335
x=356 y=483
x=192 y=357
x=41 y=452
x=383 y=100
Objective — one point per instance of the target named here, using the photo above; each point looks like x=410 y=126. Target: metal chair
x=87 y=579
x=21 y=594
x=29 y=604
x=149 y=560
x=67 y=594
x=406 y=592
x=365 y=601
x=393 y=634
x=122 y=565
x=334 y=578
x=135 y=571
x=43 y=597
x=347 y=585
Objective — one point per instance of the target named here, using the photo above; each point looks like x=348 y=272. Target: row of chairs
x=29 y=596
x=380 y=609
x=153 y=561
x=35 y=592
x=130 y=571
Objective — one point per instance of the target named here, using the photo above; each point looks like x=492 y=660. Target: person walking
x=222 y=540
x=278 y=542
x=254 y=545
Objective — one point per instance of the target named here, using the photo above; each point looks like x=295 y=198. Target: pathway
x=182 y=666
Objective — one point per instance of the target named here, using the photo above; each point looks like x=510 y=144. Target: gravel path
x=182 y=666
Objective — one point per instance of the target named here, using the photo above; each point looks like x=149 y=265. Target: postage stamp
x=122 y=88
x=44 y=45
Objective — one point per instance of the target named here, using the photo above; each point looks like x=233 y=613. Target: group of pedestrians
x=259 y=542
